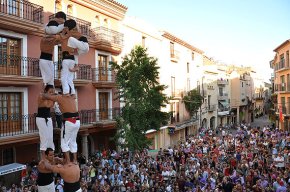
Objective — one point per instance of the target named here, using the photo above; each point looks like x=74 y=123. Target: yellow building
x=281 y=67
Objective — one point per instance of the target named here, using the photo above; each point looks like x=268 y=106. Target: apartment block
x=178 y=63
x=281 y=66
x=21 y=29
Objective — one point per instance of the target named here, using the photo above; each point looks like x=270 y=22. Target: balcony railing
x=282 y=87
x=222 y=82
x=211 y=108
x=23 y=124
x=83 y=26
x=22 y=9
x=17 y=124
x=105 y=35
x=19 y=66
x=84 y=73
x=281 y=65
x=102 y=74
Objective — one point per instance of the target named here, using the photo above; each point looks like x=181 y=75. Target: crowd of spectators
x=252 y=159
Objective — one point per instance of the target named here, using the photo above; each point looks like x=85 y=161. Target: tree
x=139 y=89
x=192 y=101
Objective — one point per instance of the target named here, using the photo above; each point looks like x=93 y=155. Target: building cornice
x=110 y=8
x=181 y=42
x=283 y=44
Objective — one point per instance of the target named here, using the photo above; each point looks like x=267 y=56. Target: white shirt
x=277 y=159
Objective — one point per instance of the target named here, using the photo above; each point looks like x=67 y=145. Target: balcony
x=174 y=56
x=21 y=16
x=211 y=108
x=222 y=82
x=19 y=128
x=103 y=78
x=282 y=87
x=17 y=70
x=81 y=78
x=83 y=26
x=281 y=66
x=107 y=40
x=223 y=96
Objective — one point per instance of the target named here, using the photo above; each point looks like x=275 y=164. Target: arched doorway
x=204 y=123
x=212 y=123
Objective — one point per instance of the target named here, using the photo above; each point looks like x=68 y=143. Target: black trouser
x=59 y=121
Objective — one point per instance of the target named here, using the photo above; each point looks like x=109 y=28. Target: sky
x=240 y=32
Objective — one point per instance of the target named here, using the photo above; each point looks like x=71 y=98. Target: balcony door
x=104 y=105
x=10 y=61
x=10 y=7
x=10 y=112
x=103 y=67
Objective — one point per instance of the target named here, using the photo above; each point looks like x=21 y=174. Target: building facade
x=178 y=63
x=21 y=29
x=281 y=67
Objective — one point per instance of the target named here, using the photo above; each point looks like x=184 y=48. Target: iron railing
x=18 y=65
x=23 y=124
x=282 y=87
x=83 y=25
x=211 y=108
x=103 y=74
x=222 y=82
x=84 y=73
x=22 y=9
x=175 y=55
x=103 y=34
x=17 y=124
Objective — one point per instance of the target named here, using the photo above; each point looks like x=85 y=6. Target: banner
x=281 y=117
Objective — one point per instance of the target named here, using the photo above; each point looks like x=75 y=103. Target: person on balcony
x=73 y=44
x=44 y=121
x=71 y=122
x=47 y=44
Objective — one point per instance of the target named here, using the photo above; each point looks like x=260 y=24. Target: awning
x=10 y=168
x=224 y=103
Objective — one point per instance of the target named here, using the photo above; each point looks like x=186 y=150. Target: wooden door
x=103 y=68
x=104 y=105
x=10 y=61
x=10 y=112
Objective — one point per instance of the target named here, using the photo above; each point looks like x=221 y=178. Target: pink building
x=21 y=28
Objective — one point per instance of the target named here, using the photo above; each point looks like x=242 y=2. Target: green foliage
x=192 y=101
x=139 y=89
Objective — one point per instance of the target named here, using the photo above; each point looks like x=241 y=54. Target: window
x=242 y=84
x=10 y=105
x=192 y=55
x=8 y=156
x=208 y=98
x=287 y=59
x=9 y=46
x=282 y=61
x=143 y=41
x=97 y=21
x=58 y=6
x=9 y=49
x=70 y=9
x=187 y=67
x=172 y=85
x=171 y=49
x=103 y=67
x=106 y=23
x=282 y=80
x=188 y=84
x=221 y=91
